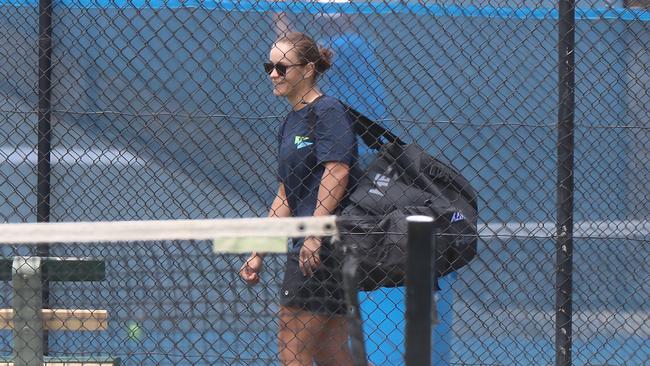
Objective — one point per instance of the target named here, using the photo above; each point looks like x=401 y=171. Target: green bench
x=29 y=320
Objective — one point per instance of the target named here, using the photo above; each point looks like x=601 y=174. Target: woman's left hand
x=310 y=255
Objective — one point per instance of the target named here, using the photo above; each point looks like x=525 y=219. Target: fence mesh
x=161 y=109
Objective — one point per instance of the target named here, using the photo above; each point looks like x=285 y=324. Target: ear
x=310 y=70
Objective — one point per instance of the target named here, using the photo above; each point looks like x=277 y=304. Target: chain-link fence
x=161 y=110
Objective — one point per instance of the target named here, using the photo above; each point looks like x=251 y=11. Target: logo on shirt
x=302 y=141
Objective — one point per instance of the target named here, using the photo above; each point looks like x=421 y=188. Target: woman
x=315 y=163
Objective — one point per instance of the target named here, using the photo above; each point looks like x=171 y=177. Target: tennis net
x=152 y=292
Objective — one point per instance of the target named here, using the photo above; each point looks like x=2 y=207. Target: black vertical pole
x=419 y=291
x=44 y=134
x=355 y=324
x=564 y=244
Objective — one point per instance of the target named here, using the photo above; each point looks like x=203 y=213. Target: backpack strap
x=371 y=132
x=311 y=117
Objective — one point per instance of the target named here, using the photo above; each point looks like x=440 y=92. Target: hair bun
x=325 y=60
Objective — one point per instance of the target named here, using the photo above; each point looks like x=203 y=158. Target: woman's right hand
x=250 y=270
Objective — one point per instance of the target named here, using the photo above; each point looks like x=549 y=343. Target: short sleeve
x=335 y=138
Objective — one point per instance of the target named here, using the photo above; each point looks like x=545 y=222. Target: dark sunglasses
x=281 y=68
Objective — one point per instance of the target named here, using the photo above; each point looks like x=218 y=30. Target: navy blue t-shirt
x=303 y=150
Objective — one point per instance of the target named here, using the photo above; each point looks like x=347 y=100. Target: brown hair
x=308 y=51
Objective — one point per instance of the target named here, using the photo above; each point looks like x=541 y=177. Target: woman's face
x=295 y=78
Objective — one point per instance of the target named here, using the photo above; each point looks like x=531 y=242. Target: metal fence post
x=43 y=189
x=419 y=291
x=565 y=144
x=28 y=322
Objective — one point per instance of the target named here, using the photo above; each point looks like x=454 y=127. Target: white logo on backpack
x=457 y=216
x=379 y=181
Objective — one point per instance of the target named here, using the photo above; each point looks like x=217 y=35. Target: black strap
x=371 y=132
x=311 y=117
x=351 y=291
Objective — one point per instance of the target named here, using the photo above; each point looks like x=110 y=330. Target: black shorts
x=321 y=293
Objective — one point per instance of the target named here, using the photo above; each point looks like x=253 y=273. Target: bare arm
x=280 y=206
x=250 y=270
x=332 y=188
x=330 y=193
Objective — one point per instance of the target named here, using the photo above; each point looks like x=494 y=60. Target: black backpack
x=403 y=180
